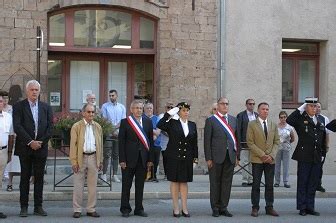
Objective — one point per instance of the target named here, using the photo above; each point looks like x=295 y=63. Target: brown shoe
x=272 y=212
x=93 y=214
x=254 y=212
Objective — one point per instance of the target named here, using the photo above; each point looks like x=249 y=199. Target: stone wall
x=187 y=48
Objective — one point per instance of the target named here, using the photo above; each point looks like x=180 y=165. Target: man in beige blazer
x=263 y=140
x=86 y=159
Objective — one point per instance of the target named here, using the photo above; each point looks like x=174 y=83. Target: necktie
x=225 y=119
x=265 y=129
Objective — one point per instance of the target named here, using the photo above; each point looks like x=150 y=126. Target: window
x=102 y=28
x=96 y=49
x=300 y=72
x=57 y=30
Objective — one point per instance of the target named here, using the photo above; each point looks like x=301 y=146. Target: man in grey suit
x=221 y=154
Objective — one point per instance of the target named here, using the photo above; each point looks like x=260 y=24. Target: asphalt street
x=159 y=210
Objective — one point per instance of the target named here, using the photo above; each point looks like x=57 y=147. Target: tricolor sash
x=227 y=129
x=138 y=131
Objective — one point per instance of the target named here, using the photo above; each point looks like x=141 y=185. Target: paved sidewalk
x=199 y=188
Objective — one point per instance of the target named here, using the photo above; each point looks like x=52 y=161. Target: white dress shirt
x=250 y=115
x=185 y=127
x=262 y=122
x=89 y=139
x=6 y=128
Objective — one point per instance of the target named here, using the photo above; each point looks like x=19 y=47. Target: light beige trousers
x=90 y=169
x=3 y=163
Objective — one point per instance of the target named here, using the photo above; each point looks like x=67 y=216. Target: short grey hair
x=85 y=106
x=135 y=102
x=33 y=82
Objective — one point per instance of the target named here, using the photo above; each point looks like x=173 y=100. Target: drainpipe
x=222 y=46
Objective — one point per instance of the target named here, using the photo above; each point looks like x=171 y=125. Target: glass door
x=84 y=79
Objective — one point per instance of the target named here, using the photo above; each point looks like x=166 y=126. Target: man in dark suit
x=135 y=156
x=309 y=153
x=324 y=120
x=32 y=124
x=243 y=118
x=221 y=155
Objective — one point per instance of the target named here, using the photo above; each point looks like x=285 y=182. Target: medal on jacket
x=306 y=124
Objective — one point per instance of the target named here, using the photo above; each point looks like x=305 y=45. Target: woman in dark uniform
x=181 y=153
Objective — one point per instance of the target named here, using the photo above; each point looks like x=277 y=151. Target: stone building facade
x=203 y=49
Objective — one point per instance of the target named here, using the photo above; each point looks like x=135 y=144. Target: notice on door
x=55 y=99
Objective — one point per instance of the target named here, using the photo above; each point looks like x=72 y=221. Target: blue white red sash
x=227 y=129
x=138 y=131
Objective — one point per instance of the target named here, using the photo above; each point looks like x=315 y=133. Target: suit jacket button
x=179 y=149
x=185 y=150
x=185 y=143
x=180 y=142
x=184 y=156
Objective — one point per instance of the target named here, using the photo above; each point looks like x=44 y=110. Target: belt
x=4 y=147
x=89 y=154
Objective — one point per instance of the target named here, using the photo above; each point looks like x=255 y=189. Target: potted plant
x=106 y=126
x=63 y=123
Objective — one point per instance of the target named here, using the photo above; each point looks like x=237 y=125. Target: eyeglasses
x=223 y=103
x=283 y=117
x=251 y=103
x=90 y=112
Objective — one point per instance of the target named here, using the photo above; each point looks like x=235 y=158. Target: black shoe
x=93 y=214
x=321 y=189
x=2 y=215
x=302 y=212
x=76 y=215
x=141 y=213
x=40 y=211
x=176 y=215
x=24 y=212
x=287 y=185
x=276 y=185
x=185 y=215
x=225 y=213
x=312 y=212
x=215 y=213
x=245 y=184
x=125 y=214
x=249 y=184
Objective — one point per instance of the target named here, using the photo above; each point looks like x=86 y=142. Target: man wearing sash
x=135 y=156
x=221 y=155
x=263 y=140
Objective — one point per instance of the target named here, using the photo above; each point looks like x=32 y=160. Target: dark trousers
x=156 y=160
x=29 y=163
x=321 y=173
x=220 y=176
x=164 y=162
x=257 y=171
x=111 y=148
x=127 y=177
x=307 y=181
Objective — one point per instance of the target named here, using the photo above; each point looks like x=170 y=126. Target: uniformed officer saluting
x=310 y=152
